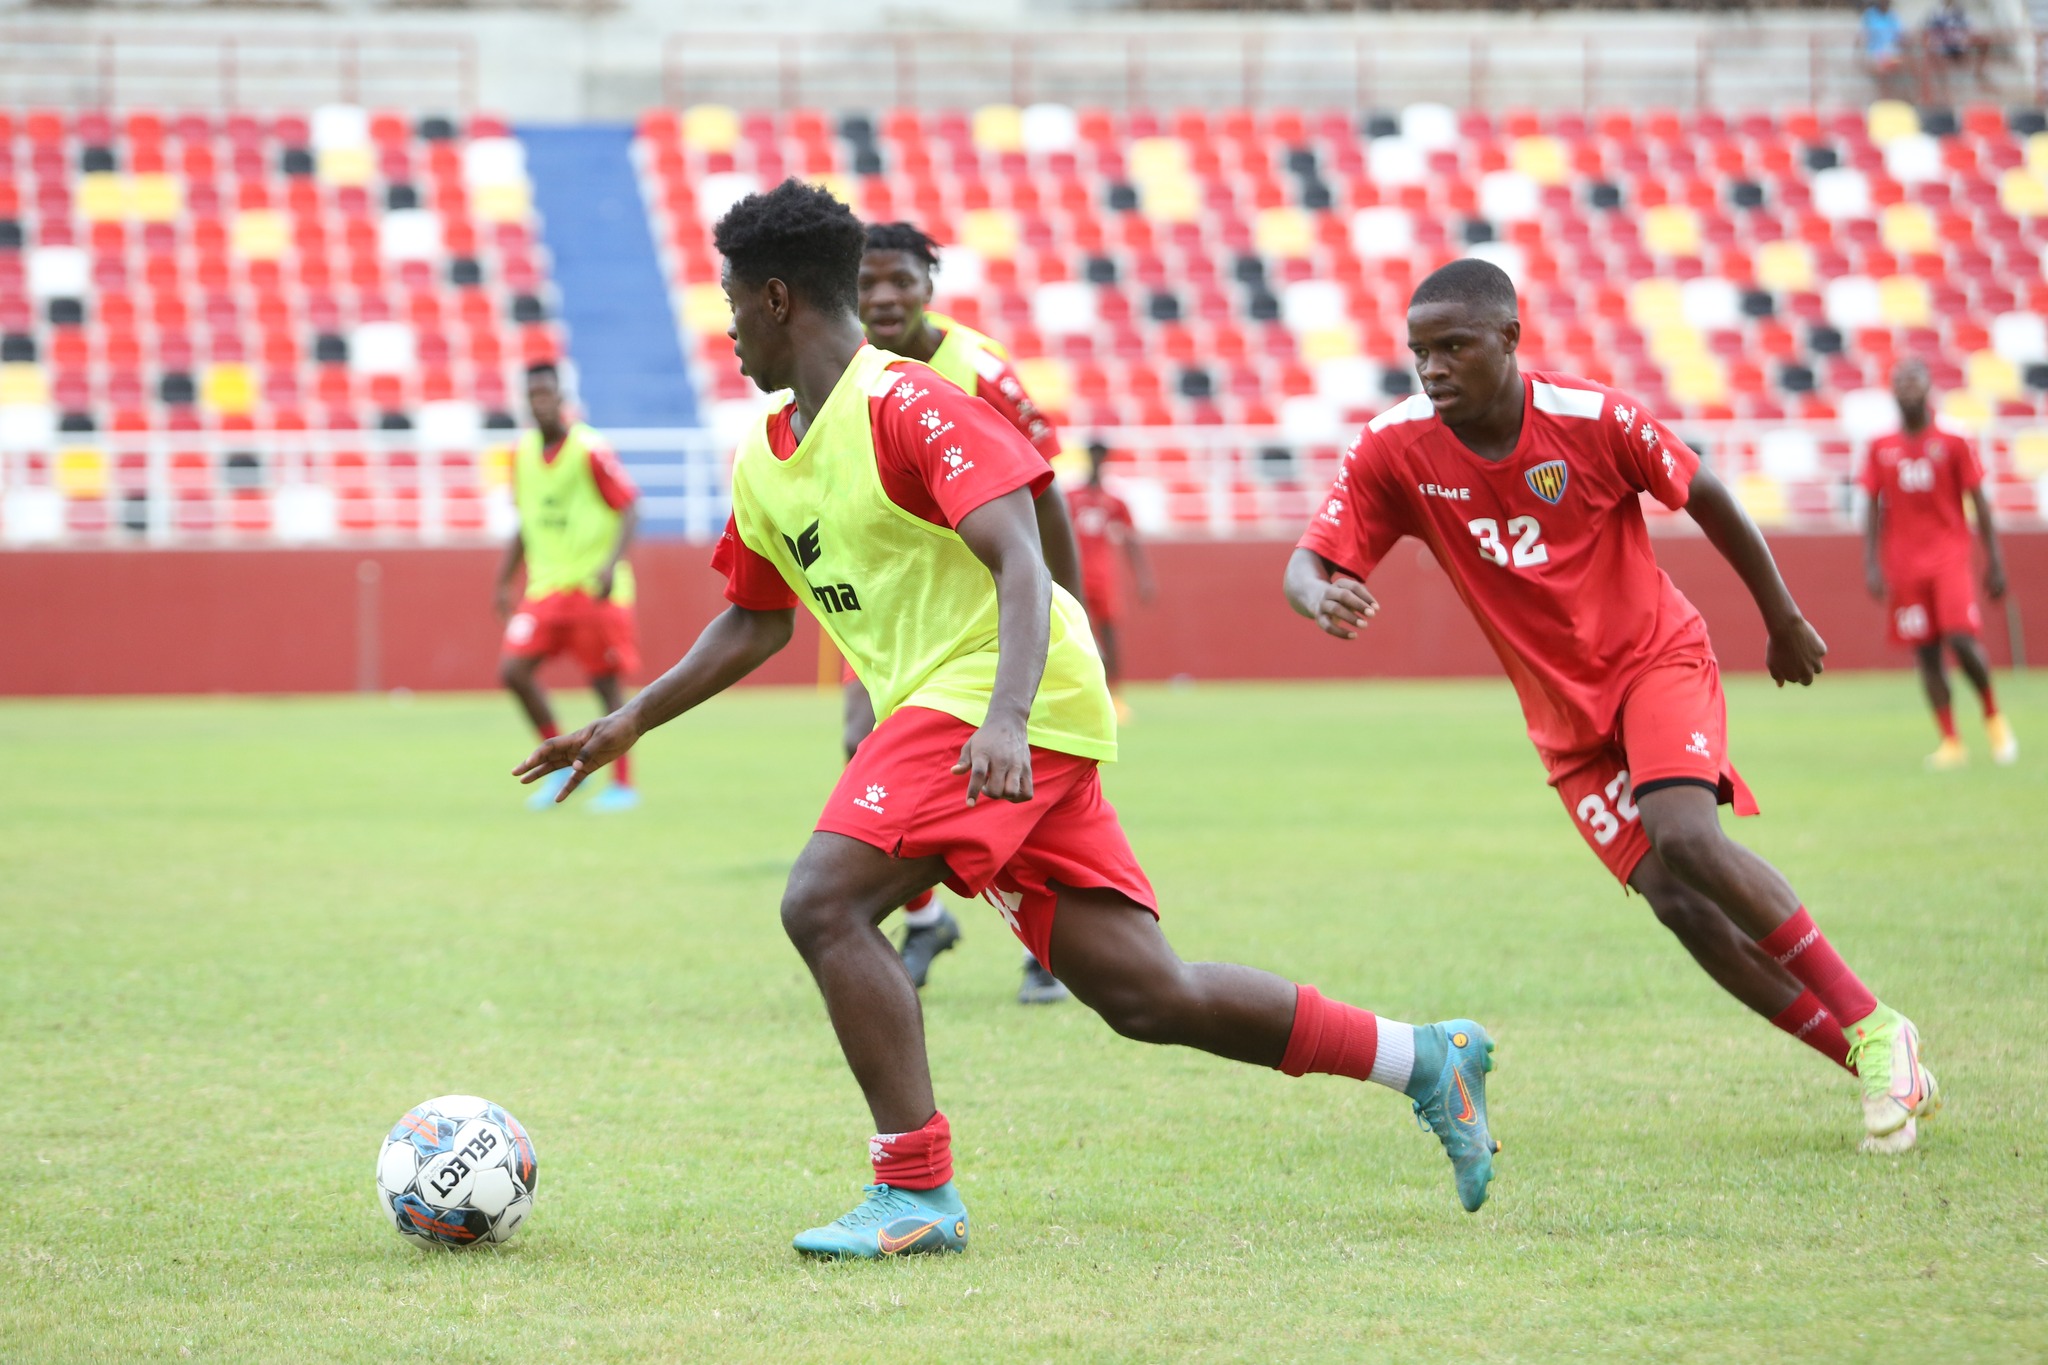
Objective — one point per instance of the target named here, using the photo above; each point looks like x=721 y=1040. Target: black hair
x=904 y=237
x=543 y=367
x=798 y=234
x=1482 y=285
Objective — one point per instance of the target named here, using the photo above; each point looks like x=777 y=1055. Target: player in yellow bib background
x=577 y=510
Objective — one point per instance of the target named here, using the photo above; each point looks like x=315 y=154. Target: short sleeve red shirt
x=1102 y=523
x=1002 y=390
x=1921 y=478
x=941 y=453
x=1547 y=548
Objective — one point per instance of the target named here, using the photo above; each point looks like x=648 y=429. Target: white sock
x=1394 y=1063
x=927 y=917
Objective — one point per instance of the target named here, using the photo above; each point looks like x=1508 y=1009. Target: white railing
x=312 y=488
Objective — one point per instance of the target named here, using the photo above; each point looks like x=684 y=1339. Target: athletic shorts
x=1925 y=610
x=1673 y=728
x=600 y=635
x=900 y=794
x=1104 y=603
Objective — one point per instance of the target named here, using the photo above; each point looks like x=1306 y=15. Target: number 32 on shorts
x=1606 y=821
x=1527 y=551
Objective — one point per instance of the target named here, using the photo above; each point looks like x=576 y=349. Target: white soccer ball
x=457 y=1171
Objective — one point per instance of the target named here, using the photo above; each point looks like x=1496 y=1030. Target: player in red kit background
x=1917 y=556
x=1526 y=488
x=1103 y=528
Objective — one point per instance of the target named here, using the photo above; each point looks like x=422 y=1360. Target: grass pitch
x=241 y=937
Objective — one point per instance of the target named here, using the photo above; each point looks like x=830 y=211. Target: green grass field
x=241 y=937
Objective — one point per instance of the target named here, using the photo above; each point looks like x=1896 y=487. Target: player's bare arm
x=1003 y=535
x=1873 y=534
x=508 y=569
x=1795 y=649
x=1994 y=556
x=1326 y=595
x=1056 y=538
x=737 y=642
x=629 y=522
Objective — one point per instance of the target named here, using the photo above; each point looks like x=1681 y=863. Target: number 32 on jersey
x=1527 y=549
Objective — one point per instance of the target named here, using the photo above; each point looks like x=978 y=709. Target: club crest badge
x=1547 y=480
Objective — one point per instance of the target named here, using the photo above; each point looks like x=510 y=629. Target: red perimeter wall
x=336 y=620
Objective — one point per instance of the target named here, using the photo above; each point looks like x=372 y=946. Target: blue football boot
x=615 y=798
x=548 y=788
x=892 y=1222
x=1449 y=1090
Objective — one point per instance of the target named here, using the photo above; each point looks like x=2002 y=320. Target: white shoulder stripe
x=1412 y=409
x=1567 y=402
x=986 y=363
x=883 y=381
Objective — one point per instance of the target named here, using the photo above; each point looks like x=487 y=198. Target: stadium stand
x=1162 y=276
x=353 y=292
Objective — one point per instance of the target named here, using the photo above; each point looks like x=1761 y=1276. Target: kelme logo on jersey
x=1547 y=480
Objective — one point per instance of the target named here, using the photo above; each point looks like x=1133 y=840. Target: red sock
x=622 y=770
x=922 y=1160
x=919 y=901
x=549 y=731
x=1946 y=719
x=1804 y=951
x=1330 y=1037
x=1809 y=1021
x=1990 y=702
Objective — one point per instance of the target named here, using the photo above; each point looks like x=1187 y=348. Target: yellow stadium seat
x=156 y=198
x=1654 y=303
x=1170 y=199
x=1155 y=156
x=1891 y=119
x=260 y=235
x=1907 y=228
x=999 y=128
x=1048 y=380
x=2030 y=454
x=1991 y=376
x=2037 y=155
x=2022 y=194
x=1963 y=408
x=1542 y=159
x=1279 y=232
x=991 y=233
x=1784 y=266
x=705 y=311
x=345 y=166
x=502 y=203
x=1762 y=496
x=1904 y=302
x=494 y=466
x=102 y=195
x=81 y=472
x=1676 y=342
x=228 y=388
x=23 y=384
x=711 y=127
x=836 y=185
x=1071 y=465
x=1698 y=379
x=1328 y=343
x=1672 y=230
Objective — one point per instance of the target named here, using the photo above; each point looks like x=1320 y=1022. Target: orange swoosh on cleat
x=891 y=1245
x=1465 y=1095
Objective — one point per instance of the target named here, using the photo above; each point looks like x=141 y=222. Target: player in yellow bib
x=895 y=285
x=898 y=511
x=577 y=510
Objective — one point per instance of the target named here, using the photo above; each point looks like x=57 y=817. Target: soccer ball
x=457 y=1171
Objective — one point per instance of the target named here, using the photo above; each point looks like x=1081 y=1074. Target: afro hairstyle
x=798 y=234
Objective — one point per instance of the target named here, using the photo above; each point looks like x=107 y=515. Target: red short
x=1673 y=727
x=900 y=794
x=1104 y=603
x=601 y=635
x=1923 y=611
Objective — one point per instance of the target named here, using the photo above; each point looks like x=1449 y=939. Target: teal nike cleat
x=892 y=1222
x=614 y=798
x=548 y=788
x=1449 y=1090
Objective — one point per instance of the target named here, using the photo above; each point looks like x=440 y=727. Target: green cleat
x=1449 y=1090
x=892 y=1222
x=1885 y=1050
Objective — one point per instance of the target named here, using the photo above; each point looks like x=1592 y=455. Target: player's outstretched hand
x=997 y=761
x=1345 y=607
x=1795 y=652
x=1994 y=581
x=585 y=751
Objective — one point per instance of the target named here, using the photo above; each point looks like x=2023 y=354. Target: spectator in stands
x=1884 y=46
x=577 y=511
x=1951 y=42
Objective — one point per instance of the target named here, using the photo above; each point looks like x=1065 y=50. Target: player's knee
x=809 y=915
x=514 y=672
x=1147 y=1009
x=1685 y=913
x=1692 y=850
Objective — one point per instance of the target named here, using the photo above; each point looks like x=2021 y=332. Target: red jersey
x=1102 y=525
x=998 y=386
x=988 y=459
x=1920 y=479
x=1547 y=547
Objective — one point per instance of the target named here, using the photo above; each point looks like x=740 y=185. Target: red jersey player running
x=1102 y=527
x=895 y=286
x=905 y=526
x=1917 y=557
x=1526 y=489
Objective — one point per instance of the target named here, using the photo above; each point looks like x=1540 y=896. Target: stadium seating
x=1168 y=272
x=167 y=280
